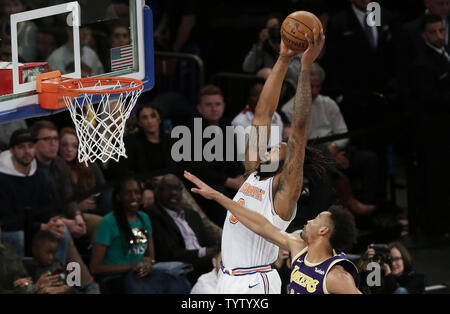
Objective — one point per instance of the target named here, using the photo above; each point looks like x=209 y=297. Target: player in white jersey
x=246 y=256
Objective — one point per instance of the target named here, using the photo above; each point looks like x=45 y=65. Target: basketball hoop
x=99 y=107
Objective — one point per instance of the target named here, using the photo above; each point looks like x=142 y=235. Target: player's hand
x=286 y=52
x=203 y=189
x=314 y=49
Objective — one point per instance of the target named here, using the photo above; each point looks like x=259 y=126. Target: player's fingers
x=316 y=36
x=192 y=178
x=309 y=40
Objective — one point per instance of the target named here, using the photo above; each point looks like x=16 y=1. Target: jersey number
x=233 y=218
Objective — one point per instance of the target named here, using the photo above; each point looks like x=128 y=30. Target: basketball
x=294 y=28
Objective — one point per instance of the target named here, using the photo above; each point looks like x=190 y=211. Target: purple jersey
x=310 y=278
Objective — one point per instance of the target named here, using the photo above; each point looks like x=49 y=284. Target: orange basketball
x=294 y=28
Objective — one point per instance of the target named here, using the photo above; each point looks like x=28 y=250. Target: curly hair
x=344 y=231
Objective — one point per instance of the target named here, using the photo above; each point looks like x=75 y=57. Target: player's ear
x=324 y=230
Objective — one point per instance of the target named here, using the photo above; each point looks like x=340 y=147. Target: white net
x=101 y=126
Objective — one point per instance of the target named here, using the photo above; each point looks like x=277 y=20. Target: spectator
x=83 y=177
x=63 y=56
x=326 y=120
x=265 y=52
x=411 y=45
x=245 y=118
x=399 y=276
x=14 y=277
x=360 y=62
x=44 y=248
x=179 y=233
x=124 y=241
x=206 y=283
x=22 y=185
x=120 y=35
x=57 y=172
x=224 y=175
x=431 y=93
x=148 y=150
x=26 y=32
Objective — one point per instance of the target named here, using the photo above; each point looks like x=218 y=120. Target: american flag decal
x=121 y=57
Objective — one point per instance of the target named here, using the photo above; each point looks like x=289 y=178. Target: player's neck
x=319 y=252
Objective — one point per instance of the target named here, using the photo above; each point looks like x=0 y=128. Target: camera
x=382 y=254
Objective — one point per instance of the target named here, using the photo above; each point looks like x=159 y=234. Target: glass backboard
x=78 y=38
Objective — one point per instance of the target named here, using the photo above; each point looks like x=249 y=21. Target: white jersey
x=241 y=247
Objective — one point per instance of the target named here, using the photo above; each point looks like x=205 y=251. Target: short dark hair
x=210 y=90
x=146 y=105
x=43 y=236
x=430 y=19
x=344 y=231
x=42 y=124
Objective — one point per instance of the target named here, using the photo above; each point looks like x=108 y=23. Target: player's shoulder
x=340 y=281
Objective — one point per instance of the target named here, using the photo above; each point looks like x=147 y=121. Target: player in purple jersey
x=317 y=266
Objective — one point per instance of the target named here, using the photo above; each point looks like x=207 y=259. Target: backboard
x=82 y=38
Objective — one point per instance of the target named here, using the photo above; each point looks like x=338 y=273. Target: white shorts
x=257 y=283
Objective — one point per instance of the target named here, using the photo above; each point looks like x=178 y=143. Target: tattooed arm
x=265 y=108
x=288 y=183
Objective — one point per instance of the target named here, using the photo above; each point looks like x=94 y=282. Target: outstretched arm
x=266 y=107
x=288 y=183
x=252 y=220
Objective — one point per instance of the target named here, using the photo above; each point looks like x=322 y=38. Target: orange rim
x=71 y=86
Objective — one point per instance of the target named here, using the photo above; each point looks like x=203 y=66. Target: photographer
x=265 y=51
x=398 y=275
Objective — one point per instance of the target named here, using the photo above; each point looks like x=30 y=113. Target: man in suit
x=178 y=232
x=411 y=44
x=221 y=172
x=431 y=92
x=359 y=61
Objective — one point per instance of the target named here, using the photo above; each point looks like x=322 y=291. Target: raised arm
x=252 y=220
x=266 y=107
x=288 y=183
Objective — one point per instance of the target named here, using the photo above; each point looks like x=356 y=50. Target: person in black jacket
x=179 y=234
x=223 y=173
x=23 y=185
x=429 y=122
x=398 y=276
x=360 y=61
x=148 y=150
